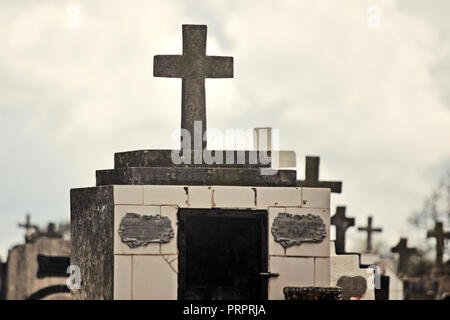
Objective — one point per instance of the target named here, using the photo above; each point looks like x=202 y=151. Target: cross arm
x=218 y=67
x=169 y=66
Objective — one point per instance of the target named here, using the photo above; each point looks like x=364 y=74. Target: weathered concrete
x=92 y=228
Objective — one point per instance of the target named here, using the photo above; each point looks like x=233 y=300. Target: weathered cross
x=369 y=230
x=404 y=253
x=342 y=223
x=312 y=177
x=29 y=228
x=440 y=236
x=193 y=66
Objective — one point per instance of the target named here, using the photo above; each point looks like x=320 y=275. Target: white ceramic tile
x=123 y=248
x=131 y=195
x=321 y=272
x=234 y=197
x=274 y=247
x=320 y=249
x=122 y=277
x=293 y=272
x=316 y=198
x=153 y=279
x=200 y=197
x=166 y=195
x=278 y=197
x=171 y=246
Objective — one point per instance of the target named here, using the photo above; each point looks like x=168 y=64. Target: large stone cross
x=440 y=235
x=404 y=253
x=193 y=66
x=342 y=223
x=312 y=177
x=369 y=230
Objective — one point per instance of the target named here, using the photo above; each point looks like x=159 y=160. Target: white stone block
x=200 y=197
x=166 y=195
x=293 y=272
x=348 y=265
x=171 y=246
x=122 y=277
x=278 y=197
x=234 y=197
x=153 y=279
x=316 y=198
x=322 y=272
x=306 y=249
x=130 y=195
x=122 y=248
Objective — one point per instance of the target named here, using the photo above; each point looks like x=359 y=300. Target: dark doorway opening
x=221 y=254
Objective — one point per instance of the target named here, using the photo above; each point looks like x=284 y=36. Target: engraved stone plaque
x=289 y=230
x=352 y=286
x=136 y=230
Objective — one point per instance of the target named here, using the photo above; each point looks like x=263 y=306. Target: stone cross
x=193 y=66
x=342 y=223
x=29 y=228
x=312 y=177
x=404 y=253
x=369 y=230
x=440 y=235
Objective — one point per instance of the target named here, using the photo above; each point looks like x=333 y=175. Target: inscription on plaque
x=136 y=230
x=289 y=230
x=352 y=287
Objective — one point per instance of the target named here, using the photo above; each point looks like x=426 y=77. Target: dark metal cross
x=404 y=253
x=312 y=177
x=369 y=230
x=440 y=236
x=28 y=228
x=342 y=223
x=193 y=66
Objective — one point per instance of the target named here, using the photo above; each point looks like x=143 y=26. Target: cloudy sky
x=373 y=103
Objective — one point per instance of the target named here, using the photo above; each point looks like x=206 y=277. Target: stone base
x=313 y=293
x=195 y=176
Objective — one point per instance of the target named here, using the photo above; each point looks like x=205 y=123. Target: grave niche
x=155 y=229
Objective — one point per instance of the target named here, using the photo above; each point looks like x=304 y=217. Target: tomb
x=159 y=226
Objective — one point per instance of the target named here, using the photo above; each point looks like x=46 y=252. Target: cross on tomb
x=193 y=66
x=440 y=235
x=369 y=230
x=404 y=253
x=29 y=228
x=312 y=177
x=342 y=223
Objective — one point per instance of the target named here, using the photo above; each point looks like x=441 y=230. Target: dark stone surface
x=352 y=287
x=195 y=176
x=92 y=227
x=52 y=266
x=312 y=177
x=342 y=223
x=404 y=253
x=193 y=66
x=139 y=230
x=289 y=230
x=162 y=158
x=312 y=293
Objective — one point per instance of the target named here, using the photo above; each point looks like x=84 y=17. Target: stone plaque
x=136 y=230
x=352 y=287
x=289 y=230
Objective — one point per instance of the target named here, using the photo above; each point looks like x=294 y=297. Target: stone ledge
x=162 y=158
x=195 y=176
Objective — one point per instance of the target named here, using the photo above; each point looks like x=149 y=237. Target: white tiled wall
x=150 y=272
